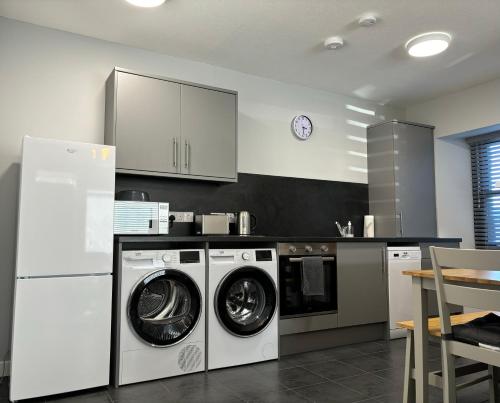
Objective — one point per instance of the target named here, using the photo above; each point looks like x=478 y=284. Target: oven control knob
x=324 y=248
x=166 y=258
x=292 y=249
x=245 y=256
x=308 y=248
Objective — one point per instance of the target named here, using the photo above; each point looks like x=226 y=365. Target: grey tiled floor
x=368 y=372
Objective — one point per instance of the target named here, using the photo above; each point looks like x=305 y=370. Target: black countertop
x=271 y=238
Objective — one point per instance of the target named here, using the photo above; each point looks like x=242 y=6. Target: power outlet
x=183 y=216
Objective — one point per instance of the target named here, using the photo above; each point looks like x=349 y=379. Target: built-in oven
x=302 y=311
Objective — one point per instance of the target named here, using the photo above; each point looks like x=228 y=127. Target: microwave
x=140 y=218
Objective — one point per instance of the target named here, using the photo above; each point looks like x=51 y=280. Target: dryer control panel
x=161 y=258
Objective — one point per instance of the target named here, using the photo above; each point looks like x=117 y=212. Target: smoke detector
x=333 y=43
x=367 y=20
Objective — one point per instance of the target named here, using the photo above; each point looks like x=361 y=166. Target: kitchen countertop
x=272 y=238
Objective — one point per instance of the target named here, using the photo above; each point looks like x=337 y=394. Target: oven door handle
x=299 y=259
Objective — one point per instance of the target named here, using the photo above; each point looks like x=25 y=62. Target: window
x=485 y=158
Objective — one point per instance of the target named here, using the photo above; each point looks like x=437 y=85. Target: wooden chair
x=468 y=295
x=435 y=378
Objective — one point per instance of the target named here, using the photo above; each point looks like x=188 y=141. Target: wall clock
x=302 y=127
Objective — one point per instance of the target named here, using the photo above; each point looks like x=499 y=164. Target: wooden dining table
x=422 y=282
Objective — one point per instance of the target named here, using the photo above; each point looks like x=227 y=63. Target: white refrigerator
x=62 y=300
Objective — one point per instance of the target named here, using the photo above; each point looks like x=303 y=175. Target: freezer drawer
x=61 y=335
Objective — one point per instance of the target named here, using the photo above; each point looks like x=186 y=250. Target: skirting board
x=4 y=368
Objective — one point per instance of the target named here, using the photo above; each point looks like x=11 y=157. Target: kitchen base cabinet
x=362 y=284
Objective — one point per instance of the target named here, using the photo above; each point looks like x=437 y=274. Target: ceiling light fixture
x=333 y=43
x=367 y=20
x=146 y=3
x=428 y=44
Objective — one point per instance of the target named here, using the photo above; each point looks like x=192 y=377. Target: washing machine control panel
x=242 y=255
x=264 y=255
x=181 y=256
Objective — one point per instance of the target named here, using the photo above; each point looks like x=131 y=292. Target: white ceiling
x=281 y=39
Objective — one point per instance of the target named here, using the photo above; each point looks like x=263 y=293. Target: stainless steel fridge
x=401 y=181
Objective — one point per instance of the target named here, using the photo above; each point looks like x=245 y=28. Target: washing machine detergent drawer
x=156 y=363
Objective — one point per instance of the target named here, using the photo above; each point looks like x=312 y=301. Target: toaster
x=212 y=224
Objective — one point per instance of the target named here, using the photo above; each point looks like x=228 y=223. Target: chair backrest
x=471 y=295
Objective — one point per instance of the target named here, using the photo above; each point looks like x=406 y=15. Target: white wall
x=52 y=85
x=463 y=111
x=474 y=110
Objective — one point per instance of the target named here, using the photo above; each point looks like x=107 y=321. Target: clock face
x=302 y=127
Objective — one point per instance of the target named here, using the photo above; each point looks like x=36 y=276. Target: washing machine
x=242 y=306
x=160 y=317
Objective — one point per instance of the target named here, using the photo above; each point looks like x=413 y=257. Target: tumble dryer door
x=164 y=307
x=245 y=301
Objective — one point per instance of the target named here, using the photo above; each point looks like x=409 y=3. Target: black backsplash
x=283 y=206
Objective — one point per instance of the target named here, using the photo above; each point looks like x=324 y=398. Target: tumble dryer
x=160 y=320
x=242 y=307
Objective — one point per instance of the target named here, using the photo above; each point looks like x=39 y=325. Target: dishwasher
x=401 y=258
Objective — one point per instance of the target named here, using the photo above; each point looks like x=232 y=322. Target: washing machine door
x=245 y=301
x=164 y=307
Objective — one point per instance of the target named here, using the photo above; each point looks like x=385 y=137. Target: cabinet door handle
x=401 y=223
x=383 y=261
x=187 y=152
x=175 y=152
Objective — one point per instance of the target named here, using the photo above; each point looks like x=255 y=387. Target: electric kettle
x=246 y=223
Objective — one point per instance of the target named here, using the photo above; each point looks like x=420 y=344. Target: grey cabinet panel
x=362 y=284
x=208 y=122
x=381 y=182
x=414 y=175
x=401 y=179
x=166 y=127
x=147 y=123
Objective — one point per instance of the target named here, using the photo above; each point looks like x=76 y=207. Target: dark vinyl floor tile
x=338 y=353
x=209 y=393
x=150 y=392
x=311 y=357
x=281 y=396
x=334 y=370
x=180 y=383
x=368 y=363
x=101 y=396
x=251 y=390
x=274 y=366
x=299 y=377
x=393 y=359
x=329 y=392
x=369 y=386
x=370 y=347
x=393 y=375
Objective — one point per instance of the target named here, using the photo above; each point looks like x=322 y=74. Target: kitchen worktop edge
x=271 y=238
